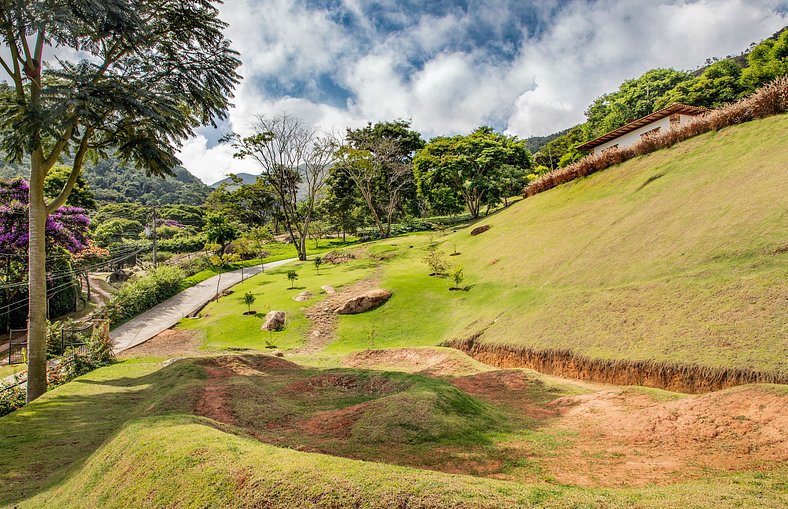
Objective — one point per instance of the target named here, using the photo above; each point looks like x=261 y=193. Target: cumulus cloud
x=527 y=70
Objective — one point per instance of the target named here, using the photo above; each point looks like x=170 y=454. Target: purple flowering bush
x=67 y=227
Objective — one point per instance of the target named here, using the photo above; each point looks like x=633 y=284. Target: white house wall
x=633 y=137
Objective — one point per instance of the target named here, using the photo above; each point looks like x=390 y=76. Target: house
x=660 y=121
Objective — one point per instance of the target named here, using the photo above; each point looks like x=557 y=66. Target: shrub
x=249 y=299
x=771 y=99
x=436 y=261
x=457 y=276
x=11 y=397
x=142 y=293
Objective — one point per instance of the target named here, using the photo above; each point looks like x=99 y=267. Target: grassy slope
x=122 y=437
x=676 y=256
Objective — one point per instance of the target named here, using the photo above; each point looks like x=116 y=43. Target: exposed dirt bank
x=688 y=378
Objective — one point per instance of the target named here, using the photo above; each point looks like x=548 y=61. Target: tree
x=149 y=72
x=468 y=168
x=766 y=61
x=81 y=196
x=635 y=98
x=292 y=276
x=293 y=158
x=457 y=276
x=218 y=230
x=318 y=263
x=379 y=160
x=249 y=299
x=250 y=204
x=719 y=84
x=341 y=204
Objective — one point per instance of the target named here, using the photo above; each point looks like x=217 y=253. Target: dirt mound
x=335 y=423
x=426 y=361
x=626 y=437
x=346 y=382
x=513 y=388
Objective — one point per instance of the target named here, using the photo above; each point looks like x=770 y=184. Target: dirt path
x=323 y=318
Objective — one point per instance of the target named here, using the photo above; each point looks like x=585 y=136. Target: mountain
x=112 y=181
x=246 y=179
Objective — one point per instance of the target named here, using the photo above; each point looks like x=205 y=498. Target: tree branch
x=76 y=169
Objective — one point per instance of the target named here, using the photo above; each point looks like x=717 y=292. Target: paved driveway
x=163 y=316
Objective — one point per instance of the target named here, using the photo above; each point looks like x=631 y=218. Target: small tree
x=457 y=277
x=436 y=261
x=292 y=276
x=249 y=299
x=318 y=263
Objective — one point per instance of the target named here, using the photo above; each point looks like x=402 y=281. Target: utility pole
x=151 y=232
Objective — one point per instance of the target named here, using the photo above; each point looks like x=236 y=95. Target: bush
x=436 y=261
x=772 y=99
x=142 y=293
x=183 y=243
x=11 y=398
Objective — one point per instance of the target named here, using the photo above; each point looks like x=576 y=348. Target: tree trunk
x=37 y=285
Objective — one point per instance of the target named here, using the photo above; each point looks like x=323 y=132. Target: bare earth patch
x=168 y=342
x=627 y=438
x=425 y=361
x=323 y=318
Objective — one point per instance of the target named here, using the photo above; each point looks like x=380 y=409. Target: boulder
x=328 y=289
x=301 y=297
x=480 y=229
x=274 y=320
x=363 y=302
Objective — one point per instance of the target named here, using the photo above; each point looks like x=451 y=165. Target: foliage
x=378 y=159
x=318 y=263
x=249 y=299
x=471 y=169
x=436 y=261
x=250 y=204
x=457 y=276
x=718 y=85
x=292 y=276
x=766 y=61
x=11 y=397
x=117 y=230
x=142 y=293
x=183 y=242
x=633 y=99
x=294 y=159
x=342 y=206
x=66 y=227
x=218 y=230
x=81 y=196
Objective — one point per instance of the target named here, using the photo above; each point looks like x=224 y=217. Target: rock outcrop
x=363 y=302
x=303 y=296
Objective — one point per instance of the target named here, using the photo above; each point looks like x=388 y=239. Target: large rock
x=363 y=302
x=480 y=229
x=274 y=320
x=328 y=289
x=303 y=296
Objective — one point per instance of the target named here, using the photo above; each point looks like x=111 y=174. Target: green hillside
x=677 y=256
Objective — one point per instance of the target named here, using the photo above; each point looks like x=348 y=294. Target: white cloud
x=584 y=50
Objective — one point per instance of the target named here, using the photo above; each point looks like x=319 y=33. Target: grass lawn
x=223 y=325
x=7 y=370
x=276 y=251
x=687 y=268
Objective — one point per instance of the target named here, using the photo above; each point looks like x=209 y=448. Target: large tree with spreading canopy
x=131 y=78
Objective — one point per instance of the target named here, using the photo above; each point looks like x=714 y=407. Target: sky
x=524 y=67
